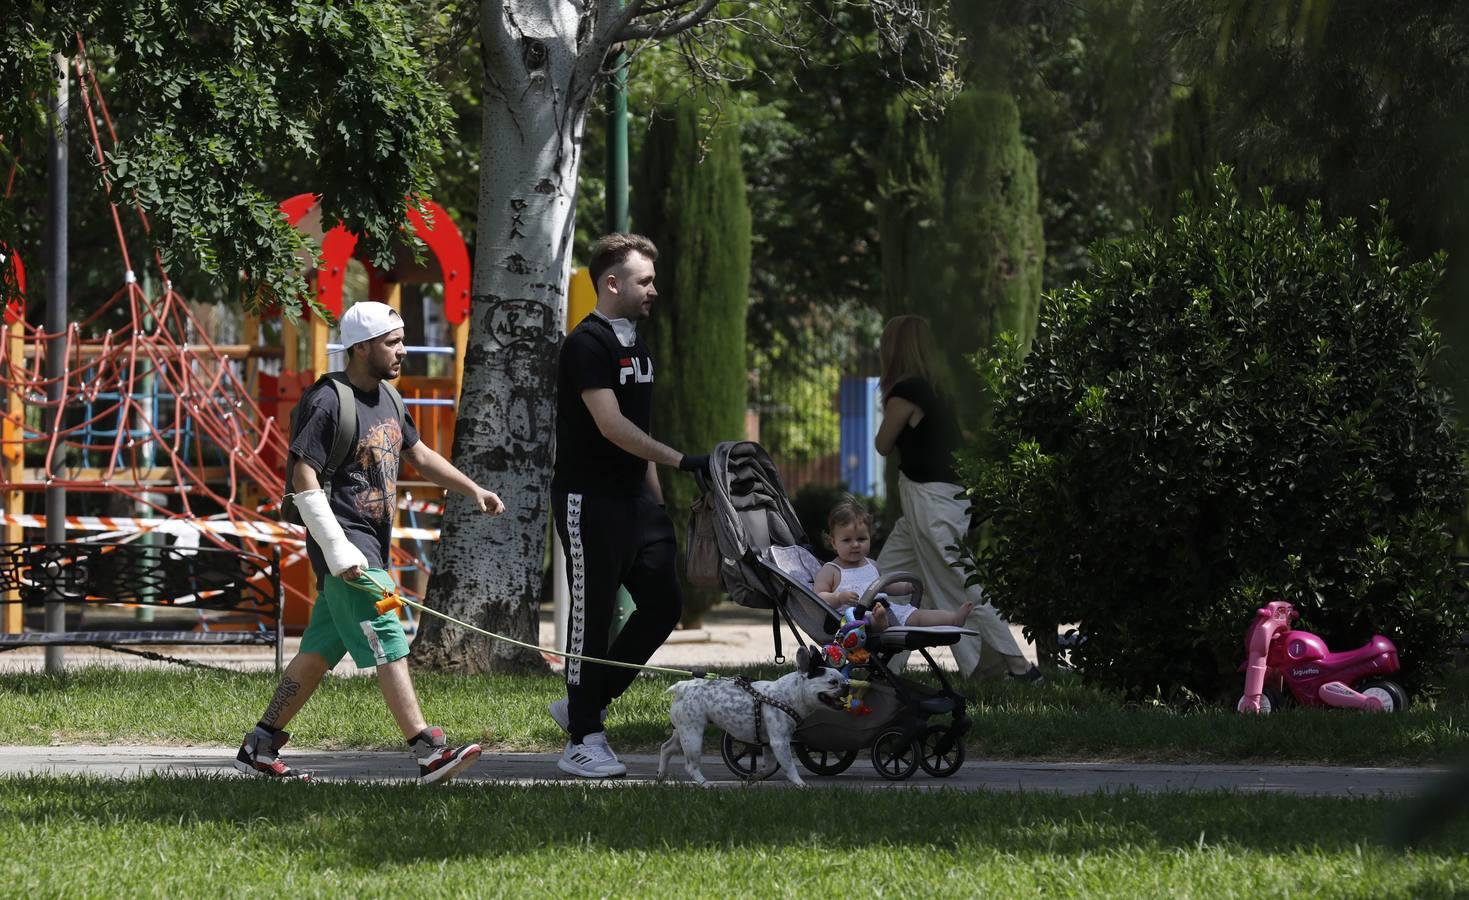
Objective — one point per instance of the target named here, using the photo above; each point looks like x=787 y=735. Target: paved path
x=525 y=768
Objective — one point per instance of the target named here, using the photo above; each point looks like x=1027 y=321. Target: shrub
x=1229 y=409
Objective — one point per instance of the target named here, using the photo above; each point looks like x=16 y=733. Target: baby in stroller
x=843 y=581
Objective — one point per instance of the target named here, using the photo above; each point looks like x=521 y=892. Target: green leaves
x=224 y=95
x=1231 y=406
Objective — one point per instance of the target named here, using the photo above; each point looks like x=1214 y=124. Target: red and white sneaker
x=437 y=761
x=260 y=755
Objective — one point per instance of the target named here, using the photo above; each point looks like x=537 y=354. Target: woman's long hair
x=907 y=350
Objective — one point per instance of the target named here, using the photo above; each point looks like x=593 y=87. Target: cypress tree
x=962 y=241
x=689 y=198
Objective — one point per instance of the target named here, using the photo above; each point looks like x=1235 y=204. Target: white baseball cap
x=367 y=319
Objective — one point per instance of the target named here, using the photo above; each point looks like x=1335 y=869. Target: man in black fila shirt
x=607 y=501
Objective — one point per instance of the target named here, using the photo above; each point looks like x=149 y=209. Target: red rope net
x=153 y=411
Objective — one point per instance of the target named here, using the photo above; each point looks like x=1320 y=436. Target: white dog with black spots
x=730 y=707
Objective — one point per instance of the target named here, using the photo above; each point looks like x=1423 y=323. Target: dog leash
x=393 y=599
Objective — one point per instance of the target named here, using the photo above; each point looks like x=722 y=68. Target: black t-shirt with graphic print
x=364 y=492
x=593 y=357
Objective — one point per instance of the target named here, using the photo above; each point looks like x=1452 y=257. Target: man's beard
x=386 y=373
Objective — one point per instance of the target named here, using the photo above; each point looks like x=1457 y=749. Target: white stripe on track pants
x=613 y=541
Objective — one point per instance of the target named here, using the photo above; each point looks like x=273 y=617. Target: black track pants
x=613 y=541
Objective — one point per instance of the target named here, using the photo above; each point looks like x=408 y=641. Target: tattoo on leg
x=287 y=689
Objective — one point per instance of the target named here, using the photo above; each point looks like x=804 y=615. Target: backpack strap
x=346 y=434
x=346 y=427
x=397 y=399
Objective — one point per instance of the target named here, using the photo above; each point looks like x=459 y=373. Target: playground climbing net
x=153 y=412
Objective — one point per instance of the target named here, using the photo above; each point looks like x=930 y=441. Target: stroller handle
x=869 y=597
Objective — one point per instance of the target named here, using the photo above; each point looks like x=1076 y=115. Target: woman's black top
x=926 y=450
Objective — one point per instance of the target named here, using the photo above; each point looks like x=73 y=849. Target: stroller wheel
x=895 y=755
x=742 y=759
x=941 y=751
x=824 y=762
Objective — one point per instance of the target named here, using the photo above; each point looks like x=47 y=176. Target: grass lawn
x=214 y=837
x=1060 y=720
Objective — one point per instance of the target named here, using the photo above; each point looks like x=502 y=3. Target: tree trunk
x=488 y=571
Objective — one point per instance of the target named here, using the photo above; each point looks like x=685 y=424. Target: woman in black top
x=920 y=423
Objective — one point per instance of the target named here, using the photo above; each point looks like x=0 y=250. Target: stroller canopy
x=751 y=514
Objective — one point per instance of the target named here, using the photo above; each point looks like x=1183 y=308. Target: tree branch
x=664 y=7
x=668 y=27
x=613 y=17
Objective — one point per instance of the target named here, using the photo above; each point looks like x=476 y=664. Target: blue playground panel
x=859 y=403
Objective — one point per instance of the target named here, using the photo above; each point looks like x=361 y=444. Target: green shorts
x=345 y=620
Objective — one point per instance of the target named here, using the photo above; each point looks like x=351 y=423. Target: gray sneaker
x=561 y=711
x=592 y=758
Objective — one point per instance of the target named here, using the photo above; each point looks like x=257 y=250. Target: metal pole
x=560 y=590
x=617 y=212
x=142 y=419
x=56 y=327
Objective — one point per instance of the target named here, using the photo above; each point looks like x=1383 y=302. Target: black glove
x=698 y=463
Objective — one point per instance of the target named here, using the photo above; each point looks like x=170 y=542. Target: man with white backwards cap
x=349 y=528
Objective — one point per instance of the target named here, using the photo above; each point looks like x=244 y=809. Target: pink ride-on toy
x=1281 y=663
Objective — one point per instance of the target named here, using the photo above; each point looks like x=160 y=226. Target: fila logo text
x=632 y=367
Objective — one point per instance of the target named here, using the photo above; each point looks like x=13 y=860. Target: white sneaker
x=561 y=711
x=592 y=758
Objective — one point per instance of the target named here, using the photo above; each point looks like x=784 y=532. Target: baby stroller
x=762 y=564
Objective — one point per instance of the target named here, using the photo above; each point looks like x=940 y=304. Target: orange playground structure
x=178 y=437
x=181 y=434
x=186 y=435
